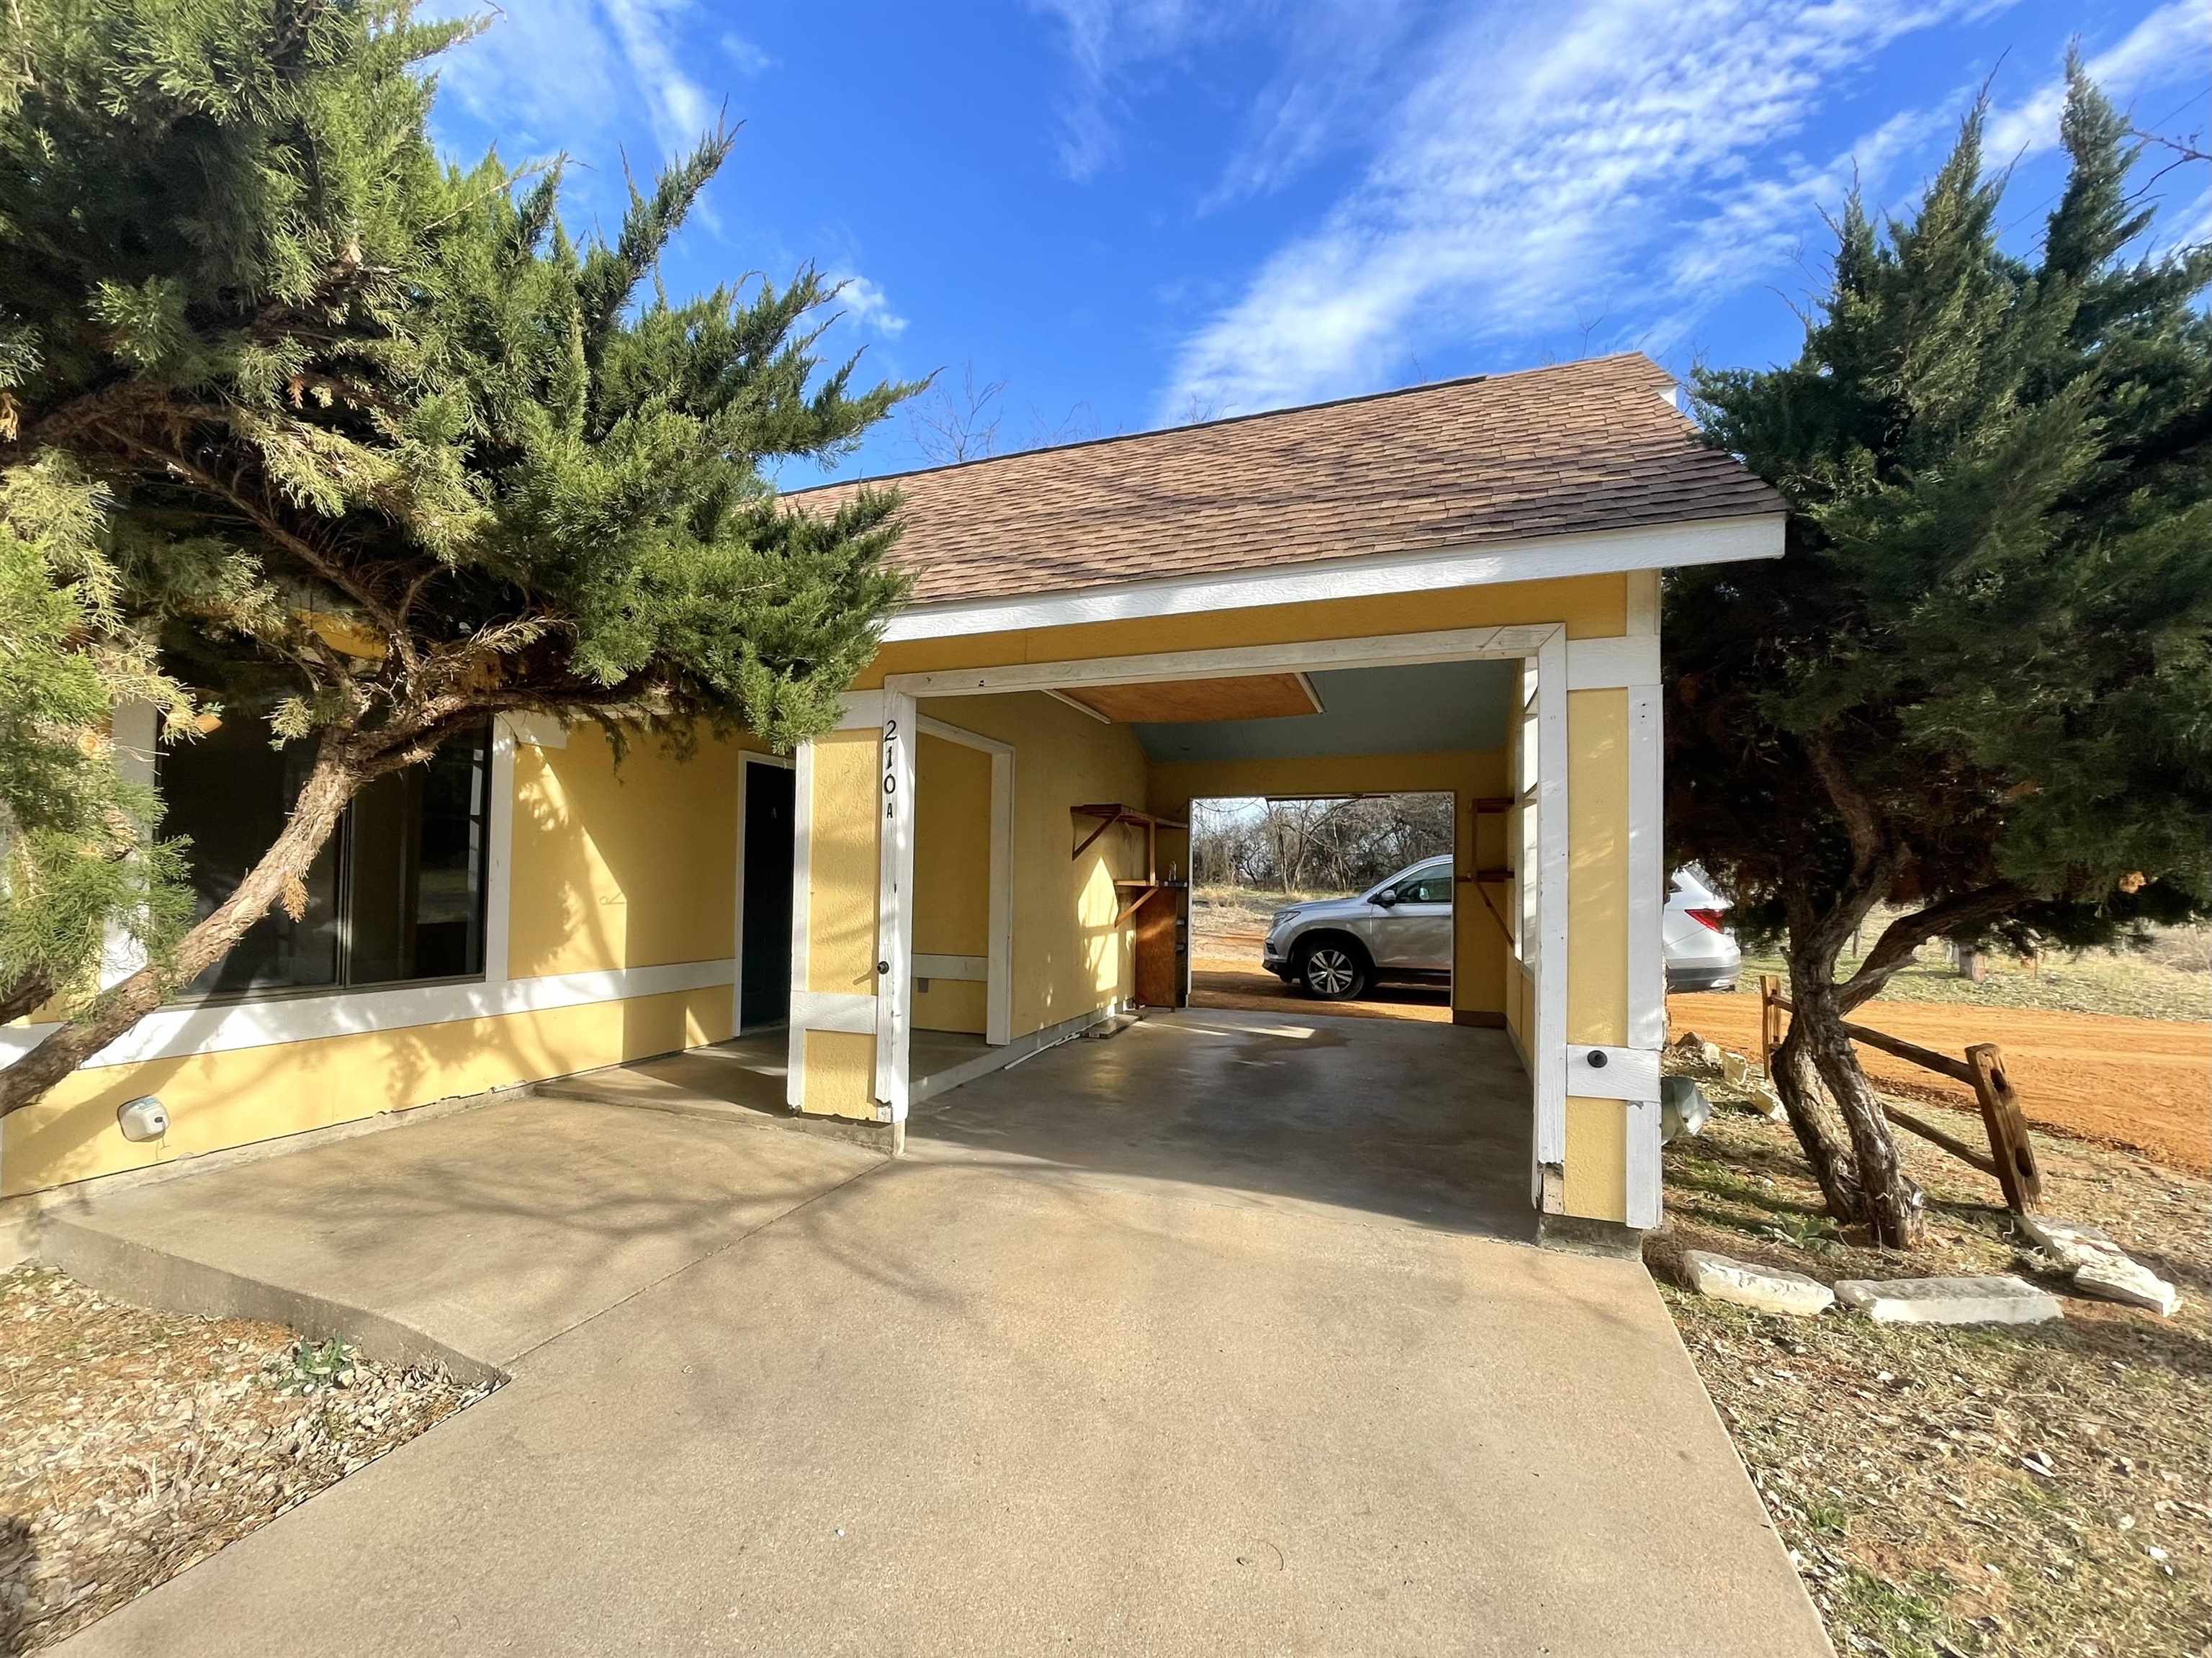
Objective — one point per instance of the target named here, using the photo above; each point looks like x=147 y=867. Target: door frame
x=747 y=759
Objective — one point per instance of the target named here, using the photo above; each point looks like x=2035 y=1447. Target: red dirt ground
x=2142 y=1084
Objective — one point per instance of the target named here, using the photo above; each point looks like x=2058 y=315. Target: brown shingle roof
x=1585 y=446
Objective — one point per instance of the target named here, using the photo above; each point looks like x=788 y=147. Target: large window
x=397 y=894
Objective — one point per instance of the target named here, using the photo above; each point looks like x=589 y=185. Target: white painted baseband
x=1596 y=1072
x=998 y=1059
x=963 y=967
x=174 y=1033
x=1534 y=559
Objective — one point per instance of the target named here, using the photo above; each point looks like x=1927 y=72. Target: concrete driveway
x=1044 y=1383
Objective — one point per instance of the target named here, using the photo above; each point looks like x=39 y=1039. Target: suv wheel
x=1332 y=970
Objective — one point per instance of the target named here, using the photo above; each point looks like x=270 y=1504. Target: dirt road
x=2145 y=1084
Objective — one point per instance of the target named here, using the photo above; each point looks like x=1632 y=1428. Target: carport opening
x=1329 y=903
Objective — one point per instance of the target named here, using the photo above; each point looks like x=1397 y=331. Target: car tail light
x=1708 y=918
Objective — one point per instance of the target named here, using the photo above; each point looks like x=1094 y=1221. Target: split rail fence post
x=2007 y=1128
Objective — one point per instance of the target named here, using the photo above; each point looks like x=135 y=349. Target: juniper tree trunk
x=332 y=782
x=1873 y=1189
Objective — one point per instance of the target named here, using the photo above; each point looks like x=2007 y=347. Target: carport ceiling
x=1412 y=708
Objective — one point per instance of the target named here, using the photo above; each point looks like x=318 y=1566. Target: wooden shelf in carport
x=1144 y=891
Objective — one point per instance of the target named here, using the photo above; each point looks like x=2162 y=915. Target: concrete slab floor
x=1421 y=1122
x=1039 y=1384
x=488 y=1230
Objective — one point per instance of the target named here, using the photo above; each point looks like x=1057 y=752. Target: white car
x=1701 y=952
x=1333 y=949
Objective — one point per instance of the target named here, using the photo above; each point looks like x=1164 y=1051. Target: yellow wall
x=634 y=867
x=845 y=864
x=1479 y=948
x=217 y=1101
x=611 y=870
x=952 y=877
x=1590 y=606
x=1596 y=1176
x=1069 y=958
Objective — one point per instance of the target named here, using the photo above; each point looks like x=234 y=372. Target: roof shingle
x=1582 y=447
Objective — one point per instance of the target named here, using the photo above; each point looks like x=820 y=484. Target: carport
x=1453 y=588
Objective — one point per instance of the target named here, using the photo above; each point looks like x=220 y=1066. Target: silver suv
x=1334 y=948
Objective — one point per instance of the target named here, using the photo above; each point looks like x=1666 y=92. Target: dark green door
x=764 y=952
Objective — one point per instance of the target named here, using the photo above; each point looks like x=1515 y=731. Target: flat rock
x=2118 y=1278
x=2070 y=1243
x=1767 y=1288
x=1948 y=1300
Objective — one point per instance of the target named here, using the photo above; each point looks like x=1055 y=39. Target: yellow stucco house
x=1452 y=588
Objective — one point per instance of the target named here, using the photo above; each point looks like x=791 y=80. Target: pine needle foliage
x=1979 y=683
x=381 y=448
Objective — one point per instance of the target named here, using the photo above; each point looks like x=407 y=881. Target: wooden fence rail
x=2010 y=1160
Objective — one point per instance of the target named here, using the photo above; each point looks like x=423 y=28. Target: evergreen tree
x=382 y=452
x=1979 y=682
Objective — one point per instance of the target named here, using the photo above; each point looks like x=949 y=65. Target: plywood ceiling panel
x=1181 y=701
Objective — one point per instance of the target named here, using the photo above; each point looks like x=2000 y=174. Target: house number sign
x=890 y=769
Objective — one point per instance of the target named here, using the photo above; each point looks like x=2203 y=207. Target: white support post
x=895 y=906
x=1647 y=899
x=1550 y=1032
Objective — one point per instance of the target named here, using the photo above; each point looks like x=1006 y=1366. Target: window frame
x=340 y=846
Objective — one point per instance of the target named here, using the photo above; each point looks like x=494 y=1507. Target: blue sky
x=1136 y=212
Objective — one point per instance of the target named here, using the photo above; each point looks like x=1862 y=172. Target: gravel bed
x=133 y=1443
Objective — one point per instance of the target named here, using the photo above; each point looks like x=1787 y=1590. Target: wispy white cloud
x=2167 y=46
x=747 y=58
x=868 y=305
x=1538 y=172
x=1633 y=162
x=1107 y=40
x=563 y=73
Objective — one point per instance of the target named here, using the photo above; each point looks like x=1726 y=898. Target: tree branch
x=257 y=514
x=1895 y=949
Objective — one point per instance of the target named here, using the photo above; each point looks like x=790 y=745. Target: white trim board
x=965 y=970
x=173 y=1033
x=1234 y=661
x=894 y=996
x=1012 y=1052
x=1708 y=541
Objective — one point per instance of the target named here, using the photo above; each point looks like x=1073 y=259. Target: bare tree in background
x=1339 y=845
x=950 y=425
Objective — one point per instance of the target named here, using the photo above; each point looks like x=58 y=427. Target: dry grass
x=2036 y=1489
x=133 y=1443
x=2168 y=976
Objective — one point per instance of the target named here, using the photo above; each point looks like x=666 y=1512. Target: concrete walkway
x=1038 y=1385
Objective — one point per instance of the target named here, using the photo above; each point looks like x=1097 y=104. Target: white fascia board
x=1710 y=541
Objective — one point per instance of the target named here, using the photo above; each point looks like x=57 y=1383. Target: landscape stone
x=1948 y=1300
x=1736 y=1070
x=2118 y=1278
x=1766 y=1288
x=2069 y=1242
